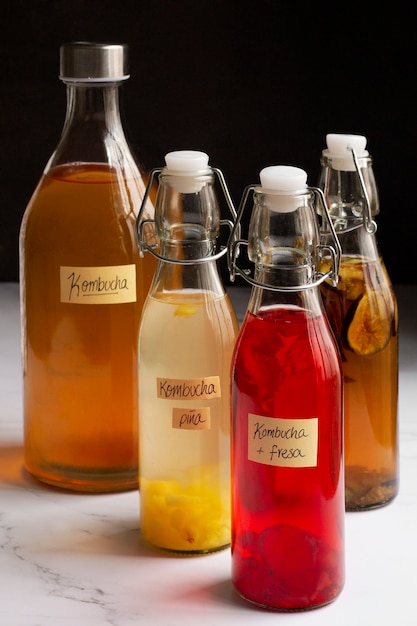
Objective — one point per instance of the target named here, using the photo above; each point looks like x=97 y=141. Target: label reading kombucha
x=188 y=388
x=283 y=442
x=191 y=419
x=98 y=285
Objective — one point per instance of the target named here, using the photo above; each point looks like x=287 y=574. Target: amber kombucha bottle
x=362 y=309
x=82 y=288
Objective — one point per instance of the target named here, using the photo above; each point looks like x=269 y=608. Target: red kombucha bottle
x=287 y=427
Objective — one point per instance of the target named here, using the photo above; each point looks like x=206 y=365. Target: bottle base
x=187 y=553
x=98 y=482
x=355 y=507
x=285 y=609
x=366 y=490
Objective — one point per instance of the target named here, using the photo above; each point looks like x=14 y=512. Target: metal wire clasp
x=370 y=224
x=141 y=224
x=235 y=244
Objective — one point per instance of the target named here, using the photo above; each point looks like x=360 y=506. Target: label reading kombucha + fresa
x=113 y=284
x=283 y=442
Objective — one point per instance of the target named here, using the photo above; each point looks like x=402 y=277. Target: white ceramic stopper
x=185 y=166
x=187 y=161
x=339 y=149
x=283 y=183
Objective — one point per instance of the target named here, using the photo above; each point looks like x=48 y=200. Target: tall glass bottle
x=82 y=288
x=186 y=339
x=287 y=428
x=363 y=312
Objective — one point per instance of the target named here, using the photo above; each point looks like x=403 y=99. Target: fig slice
x=370 y=328
x=351 y=279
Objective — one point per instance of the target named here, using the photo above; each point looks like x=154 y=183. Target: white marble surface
x=68 y=559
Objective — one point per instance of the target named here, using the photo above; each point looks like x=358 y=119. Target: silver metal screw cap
x=84 y=61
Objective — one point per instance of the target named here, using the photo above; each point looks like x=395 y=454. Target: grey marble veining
x=77 y=559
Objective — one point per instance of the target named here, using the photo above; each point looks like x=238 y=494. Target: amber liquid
x=363 y=313
x=80 y=360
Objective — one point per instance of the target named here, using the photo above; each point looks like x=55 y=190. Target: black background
x=252 y=83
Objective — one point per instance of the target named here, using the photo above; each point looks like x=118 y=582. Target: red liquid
x=287 y=522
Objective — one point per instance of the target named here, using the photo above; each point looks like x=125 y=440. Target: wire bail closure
x=369 y=223
x=141 y=224
x=235 y=243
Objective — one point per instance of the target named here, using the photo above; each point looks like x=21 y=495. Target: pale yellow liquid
x=185 y=474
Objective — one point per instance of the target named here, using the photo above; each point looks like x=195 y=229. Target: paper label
x=188 y=388
x=191 y=419
x=283 y=442
x=98 y=285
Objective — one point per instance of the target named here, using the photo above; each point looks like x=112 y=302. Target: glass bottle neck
x=201 y=277
x=357 y=241
x=307 y=299
x=93 y=130
x=186 y=250
x=345 y=195
x=283 y=241
x=282 y=275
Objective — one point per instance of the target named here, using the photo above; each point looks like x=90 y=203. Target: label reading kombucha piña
x=98 y=285
x=196 y=389
x=191 y=419
x=283 y=442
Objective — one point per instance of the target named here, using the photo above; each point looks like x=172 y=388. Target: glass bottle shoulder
x=85 y=208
